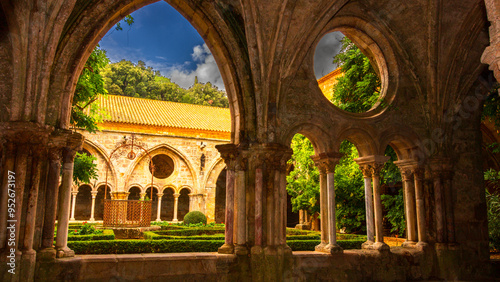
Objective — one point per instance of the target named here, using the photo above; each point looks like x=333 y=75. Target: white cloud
x=206 y=69
x=327 y=48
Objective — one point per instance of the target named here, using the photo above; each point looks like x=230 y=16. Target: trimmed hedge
x=192 y=231
x=180 y=246
x=107 y=234
x=149 y=235
x=309 y=245
x=144 y=246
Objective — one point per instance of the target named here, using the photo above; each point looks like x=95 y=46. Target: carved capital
x=418 y=173
x=376 y=168
x=326 y=162
x=406 y=174
x=367 y=172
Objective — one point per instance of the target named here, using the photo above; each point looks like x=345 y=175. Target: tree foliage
x=84 y=169
x=358 y=89
x=138 y=80
x=303 y=180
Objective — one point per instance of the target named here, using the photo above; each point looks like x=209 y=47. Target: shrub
x=192 y=231
x=195 y=217
x=106 y=235
x=493 y=209
x=143 y=246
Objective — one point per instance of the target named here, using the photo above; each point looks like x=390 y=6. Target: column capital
x=228 y=153
x=372 y=164
x=327 y=161
x=365 y=169
x=93 y=193
x=176 y=195
x=273 y=155
x=74 y=193
x=441 y=167
x=159 y=195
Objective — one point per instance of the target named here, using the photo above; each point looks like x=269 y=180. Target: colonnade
x=158 y=214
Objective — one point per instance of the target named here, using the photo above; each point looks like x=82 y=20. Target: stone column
x=158 y=210
x=449 y=201
x=418 y=175
x=92 y=209
x=73 y=204
x=301 y=217
x=64 y=205
x=377 y=207
x=143 y=195
x=29 y=254
x=323 y=204
x=9 y=153
x=54 y=168
x=439 y=207
x=240 y=206
x=329 y=161
x=176 y=206
x=228 y=153
x=370 y=222
x=410 y=211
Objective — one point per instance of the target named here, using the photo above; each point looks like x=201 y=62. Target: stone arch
x=318 y=135
x=403 y=141
x=87 y=25
x=136 y=185
x=361 y=138
x=217 y=168
x=135 y=193
x=99 y=200
x=183 y=202
x=83 y=202
x=167 y=203
x=177 y=156
x=103 y=162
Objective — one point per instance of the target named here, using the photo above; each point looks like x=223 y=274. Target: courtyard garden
x=91 y=238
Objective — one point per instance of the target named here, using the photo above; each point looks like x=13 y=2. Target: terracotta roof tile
x=123 y=109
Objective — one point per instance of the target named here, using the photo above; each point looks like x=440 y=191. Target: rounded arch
x=134 y=193
x=318 y=136
x=185 y=187
x=377 y=47
x=101 y=152
x=401 y=139
x=103 y=184
x=168 y=186
x=83 y=202
x=362 y=139
x=90 y=22
x=136 y=185
x=157 y=150
x=214 y=171
x=183 y=206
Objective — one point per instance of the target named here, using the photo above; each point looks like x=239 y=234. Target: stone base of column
x=367 y=245
x=92 y=220
x=422 y=246
x=333 y=248
x=175 y=220
x=320 y=248
x=27 y=265
x=303 y=226
x=226 y=249
x=256 y=250
x=46 y=254
x=158 y=220
x=72 y=219
x=381 y=246
x=409 y=244
x=65 y=253
x=240 y=250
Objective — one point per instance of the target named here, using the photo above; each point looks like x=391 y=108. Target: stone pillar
x=301 y=217
x=374 y=164
x=158 y=209
x=92 y=209
x=73 y=204
x=176 y=206
x=329 y=161
x=449 y=201
x=370 y=222
x=323 y=205
x=418 y=175
x=228 y=153
x=377 y=207
x=410 y=211
x=64 y=205
x=54 y=168
x=143 y=195
x=240 y=206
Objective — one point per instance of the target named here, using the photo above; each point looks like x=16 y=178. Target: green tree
x=303 y=180
x=358 y=89
x=84 y=169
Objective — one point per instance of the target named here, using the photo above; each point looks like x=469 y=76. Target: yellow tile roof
x=122 y=109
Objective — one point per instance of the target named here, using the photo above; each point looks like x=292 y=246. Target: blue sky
x=166 y=41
